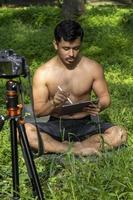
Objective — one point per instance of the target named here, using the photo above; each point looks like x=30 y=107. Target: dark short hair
x=68 y=30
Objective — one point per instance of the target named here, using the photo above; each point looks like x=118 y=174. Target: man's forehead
x=76 y=41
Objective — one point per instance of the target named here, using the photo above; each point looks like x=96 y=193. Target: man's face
x=68 y=51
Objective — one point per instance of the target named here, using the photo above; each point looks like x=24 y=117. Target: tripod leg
x=29 y=161
x=15 y=170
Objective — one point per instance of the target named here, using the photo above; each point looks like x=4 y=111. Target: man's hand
x=60 y=98
x=92 y=109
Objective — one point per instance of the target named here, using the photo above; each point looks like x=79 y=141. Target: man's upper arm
x=99 y=86
x=40 y=90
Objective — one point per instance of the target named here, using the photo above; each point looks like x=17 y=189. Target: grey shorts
x=73 y=129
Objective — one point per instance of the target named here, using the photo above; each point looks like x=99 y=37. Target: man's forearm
x=44 y=109
x=104 y=102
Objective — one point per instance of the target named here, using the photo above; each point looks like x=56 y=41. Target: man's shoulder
x=44 y=71
x=91 y=64
x=44 y=67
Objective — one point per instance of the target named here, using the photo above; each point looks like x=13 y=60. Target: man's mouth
x=70 y=59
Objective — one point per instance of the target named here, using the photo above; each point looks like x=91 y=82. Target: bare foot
x=79 y=149
x=89 y=151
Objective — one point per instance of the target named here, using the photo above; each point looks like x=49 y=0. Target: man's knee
x=29 y=128
x=123 y=134
x=31 y=133
x=118 y=136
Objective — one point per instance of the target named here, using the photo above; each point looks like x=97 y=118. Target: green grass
x=108 y=39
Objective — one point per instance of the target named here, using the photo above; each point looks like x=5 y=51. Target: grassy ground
x=108 y=39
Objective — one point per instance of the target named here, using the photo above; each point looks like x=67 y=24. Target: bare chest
x=78 y=83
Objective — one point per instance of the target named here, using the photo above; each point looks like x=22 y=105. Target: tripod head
x=12 y=66
x=14 y=109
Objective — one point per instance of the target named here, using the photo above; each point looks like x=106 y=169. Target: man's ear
x=55 y=45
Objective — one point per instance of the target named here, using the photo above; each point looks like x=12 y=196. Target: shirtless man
x=78 y=76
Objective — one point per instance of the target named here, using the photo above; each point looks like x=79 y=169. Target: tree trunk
x=126 y=1
x=72 y=8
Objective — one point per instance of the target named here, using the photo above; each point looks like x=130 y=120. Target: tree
x=126 y=1
x=72 y=8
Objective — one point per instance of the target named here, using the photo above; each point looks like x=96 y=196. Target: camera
x=12 y=65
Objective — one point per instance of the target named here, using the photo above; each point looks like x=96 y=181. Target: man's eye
x=76 y=48
x=66 y=48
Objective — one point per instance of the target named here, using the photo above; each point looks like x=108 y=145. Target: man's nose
x=71 y=52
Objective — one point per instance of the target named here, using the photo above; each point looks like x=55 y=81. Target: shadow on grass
x=33 y=38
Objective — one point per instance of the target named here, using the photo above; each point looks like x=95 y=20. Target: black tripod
x=17 y=122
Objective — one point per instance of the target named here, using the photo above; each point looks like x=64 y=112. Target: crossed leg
x=112 y=137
